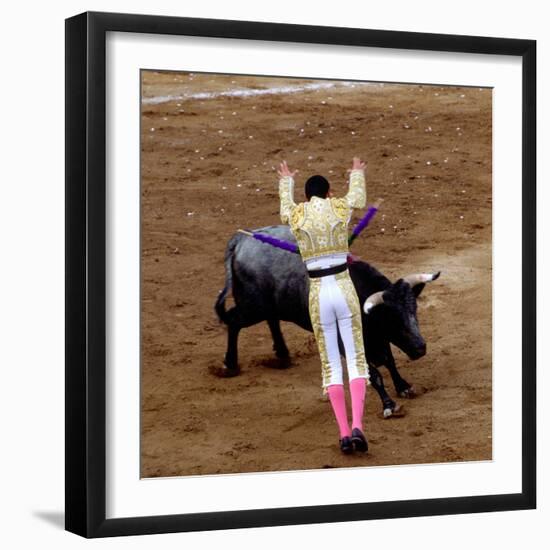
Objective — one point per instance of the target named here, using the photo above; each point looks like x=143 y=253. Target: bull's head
x=398 y=306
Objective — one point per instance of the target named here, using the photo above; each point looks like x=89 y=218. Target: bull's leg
x=231 y=362
x=279 y=344
x=389 y=406
x=235 y=320
x=230 y=365
x=402 y=387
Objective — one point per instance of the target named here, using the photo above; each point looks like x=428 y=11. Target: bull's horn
x=418 y=278
x=373 y=300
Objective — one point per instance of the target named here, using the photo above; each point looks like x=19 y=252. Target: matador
x=320 y=225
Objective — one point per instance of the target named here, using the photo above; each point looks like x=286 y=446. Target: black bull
x=270 y=284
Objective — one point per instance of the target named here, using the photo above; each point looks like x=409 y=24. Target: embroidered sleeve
x=356 y=197
x=286 y=195
x=341 y=208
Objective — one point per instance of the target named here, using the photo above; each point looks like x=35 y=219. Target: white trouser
x=333 y=306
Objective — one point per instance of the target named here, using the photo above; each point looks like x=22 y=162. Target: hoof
x=285 y=362
x=282 y=355
x=396 y=412
x=224 y=371
x=409 y=393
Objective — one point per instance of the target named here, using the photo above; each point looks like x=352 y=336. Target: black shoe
x=359 y=441
x=346 y=445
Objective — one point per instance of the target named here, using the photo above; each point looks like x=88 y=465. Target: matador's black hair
x=317 y=186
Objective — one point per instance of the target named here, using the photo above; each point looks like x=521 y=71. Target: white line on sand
x=250 y=92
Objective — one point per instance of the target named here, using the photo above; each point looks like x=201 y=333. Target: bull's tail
x=228 y=262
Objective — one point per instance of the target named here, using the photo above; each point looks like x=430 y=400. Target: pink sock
x=338 y=402
x=357 y=389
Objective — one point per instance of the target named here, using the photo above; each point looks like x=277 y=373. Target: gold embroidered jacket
x=321 y=225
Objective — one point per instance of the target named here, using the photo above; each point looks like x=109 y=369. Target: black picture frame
x=86 y=274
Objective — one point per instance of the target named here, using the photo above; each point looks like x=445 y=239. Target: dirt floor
x=208 y=169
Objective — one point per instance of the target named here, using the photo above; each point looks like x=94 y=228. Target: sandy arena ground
x=208 y=169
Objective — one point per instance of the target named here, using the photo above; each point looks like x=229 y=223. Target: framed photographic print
x=300 y=280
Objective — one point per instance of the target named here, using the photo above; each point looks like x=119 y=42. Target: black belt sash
x=315 y=273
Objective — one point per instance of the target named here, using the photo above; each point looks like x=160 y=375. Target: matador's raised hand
x=357 y=164
x=285 y=171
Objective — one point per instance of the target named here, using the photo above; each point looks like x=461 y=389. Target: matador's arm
x=286 y=191
x=286 y=196
x=356 y=197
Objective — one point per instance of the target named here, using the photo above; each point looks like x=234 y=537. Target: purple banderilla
x=274 y=241
x=364 y=221
x=292 y=247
